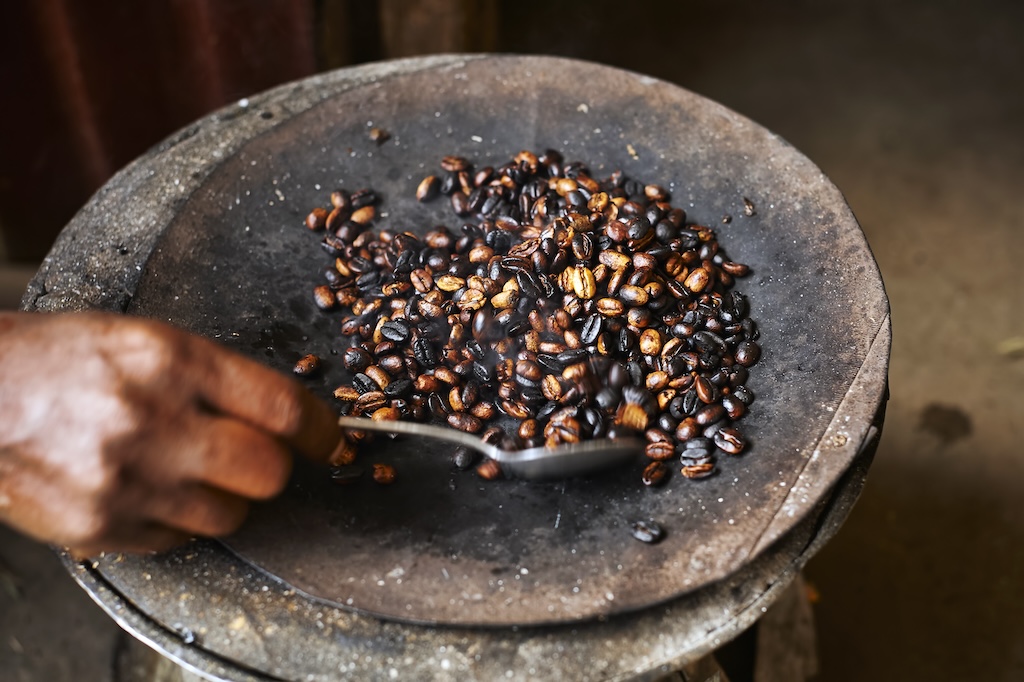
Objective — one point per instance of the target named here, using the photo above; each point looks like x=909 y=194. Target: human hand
x=124 y=434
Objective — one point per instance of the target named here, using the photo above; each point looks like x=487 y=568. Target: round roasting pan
x=205 y=231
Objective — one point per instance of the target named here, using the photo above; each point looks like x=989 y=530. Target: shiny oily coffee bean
x=307 y=365
x=463 y=421
x=730 y=440
x=748 y=353
x=655 y=474
x=743 y=394
x=323 y=297
x=649 y=531
x=734 y=407
x=710 y=414
x=660 y=451
x=698 y=471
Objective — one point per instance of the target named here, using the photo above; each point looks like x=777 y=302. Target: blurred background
x=914 y=108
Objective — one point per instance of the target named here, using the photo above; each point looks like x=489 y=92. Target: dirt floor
x=915 y=110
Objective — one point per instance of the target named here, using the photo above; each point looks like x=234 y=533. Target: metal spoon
x=565 y=461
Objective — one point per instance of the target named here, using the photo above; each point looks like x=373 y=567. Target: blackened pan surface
x=442 y=546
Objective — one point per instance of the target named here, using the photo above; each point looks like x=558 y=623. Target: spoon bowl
x=542 y=463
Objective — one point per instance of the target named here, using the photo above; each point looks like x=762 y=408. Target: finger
x=269 y=401
x=144 y=538
x=197 y=510
x=234 y=457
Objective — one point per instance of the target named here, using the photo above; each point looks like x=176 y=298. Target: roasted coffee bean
x=696 y=458
x=428 y=188
x=649 y=531
x=660 y=451
x=743 y=394
x=383 y=474
x=463 y=458
x=454 y=164
x=307 y=365
x=463 y=421
x=317 y=219
x=655 y=474
x=364 y=384
x=709 y=414
x=356 y=359
x=734 y=407
x=396 y=330
x=488 y=469
x=730 y=440
x=345 y=474
x=323 y=297
x=748 y=353
x=697 y=471
x=398 y=388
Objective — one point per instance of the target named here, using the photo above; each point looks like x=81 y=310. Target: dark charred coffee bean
x=709 y=342
x=356 y=359
x=743 y=394
x=364 y=384
x=307 y=365
x=748 y=353
x=667 y=422
x=649 y=531
x=398 y=388
x=687 y=406
x=696 y=458
x=396 y=330
x=463 y=458
x=424 y=353
x=346 y=474
x=573 y=356
x=607 y=399
x=483 y=372
x=699 y=443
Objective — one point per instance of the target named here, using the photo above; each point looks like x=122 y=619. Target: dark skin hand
x=123 y=434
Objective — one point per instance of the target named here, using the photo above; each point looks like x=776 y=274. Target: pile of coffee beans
x=563 y=308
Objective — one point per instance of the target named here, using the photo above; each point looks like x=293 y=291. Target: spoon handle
x=425 y=430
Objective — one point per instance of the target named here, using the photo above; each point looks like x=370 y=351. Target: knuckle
x=148 y=351
x=274 y=473
x=286 y=411
x=90 y=527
